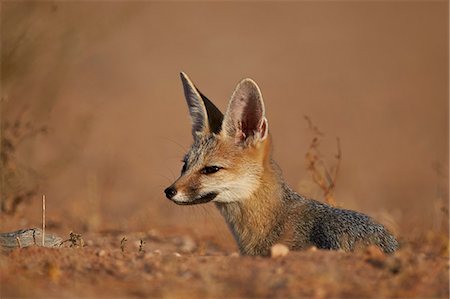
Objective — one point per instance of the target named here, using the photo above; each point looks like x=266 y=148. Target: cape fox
x=230 y=163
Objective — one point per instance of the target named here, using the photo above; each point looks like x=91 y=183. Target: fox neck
x=256 y=222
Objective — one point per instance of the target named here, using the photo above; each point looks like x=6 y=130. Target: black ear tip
x=183 y=75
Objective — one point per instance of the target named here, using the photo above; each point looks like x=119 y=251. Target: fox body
x=230 y=163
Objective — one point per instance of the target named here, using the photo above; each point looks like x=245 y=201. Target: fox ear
x=245 y=119
x=206 y=117
x=215 y=116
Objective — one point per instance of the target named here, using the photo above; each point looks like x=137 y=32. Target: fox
x=230 y=163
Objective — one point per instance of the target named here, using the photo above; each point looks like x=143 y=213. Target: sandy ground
x=174 y=265
x=93 y=116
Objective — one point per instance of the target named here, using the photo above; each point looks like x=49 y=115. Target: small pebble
x=279 y=250
x=185 y=244
x=101 y=253
x=312 y=248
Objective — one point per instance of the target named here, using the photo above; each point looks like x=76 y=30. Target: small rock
x=185 y=244
x=101 y=253
x=234 y=254
x=177 y=254
x=312 y=248
x=279 y=250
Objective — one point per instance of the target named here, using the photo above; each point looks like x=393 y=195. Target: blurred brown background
x=102 y=80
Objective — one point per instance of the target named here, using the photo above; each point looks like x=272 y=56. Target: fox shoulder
x=318 y=224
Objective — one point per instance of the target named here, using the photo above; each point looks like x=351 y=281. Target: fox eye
x=185 y=164
x=210 y=169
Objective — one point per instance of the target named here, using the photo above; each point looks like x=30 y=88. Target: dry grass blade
x=43 y=219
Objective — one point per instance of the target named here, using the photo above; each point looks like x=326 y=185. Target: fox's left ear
x=206 y=117
x=245 y=119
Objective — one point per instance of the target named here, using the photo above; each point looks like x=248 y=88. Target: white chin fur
x=234 y=191
x=180 y=197
x=226 y=191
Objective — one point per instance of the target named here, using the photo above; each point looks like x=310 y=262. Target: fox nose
x=170 y=192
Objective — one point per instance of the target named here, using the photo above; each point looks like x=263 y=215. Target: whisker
x=176 y=143
x=166 y=178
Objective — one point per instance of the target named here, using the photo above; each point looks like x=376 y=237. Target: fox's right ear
x=206 y=117
x=245 y=119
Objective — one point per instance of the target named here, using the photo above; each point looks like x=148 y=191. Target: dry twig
x=75 y=240
x=123 y=243
x=317 y=166
x=141 y=246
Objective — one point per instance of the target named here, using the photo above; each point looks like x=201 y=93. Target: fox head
x=227 y=158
